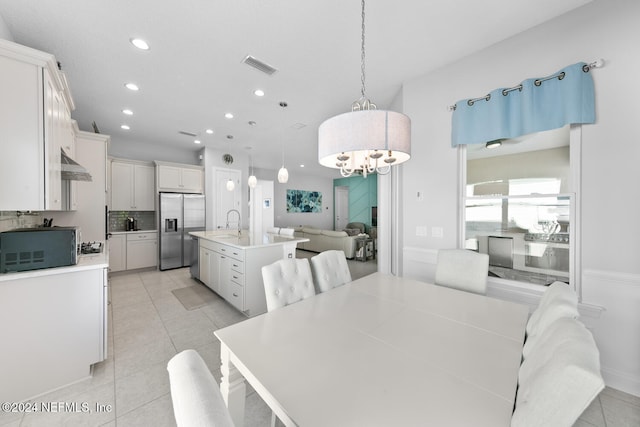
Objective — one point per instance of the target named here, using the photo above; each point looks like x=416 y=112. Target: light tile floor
x=149 y=325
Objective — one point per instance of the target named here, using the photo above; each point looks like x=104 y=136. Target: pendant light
x=283 y=173
x=253 y=181
x=365 y=140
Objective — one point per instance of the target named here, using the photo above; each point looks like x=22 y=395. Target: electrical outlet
x=437 y=232
x=421 y=231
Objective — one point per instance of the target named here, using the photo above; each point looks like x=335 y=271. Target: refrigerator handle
x=171 y=224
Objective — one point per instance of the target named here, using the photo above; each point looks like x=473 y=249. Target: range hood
x=71 y=170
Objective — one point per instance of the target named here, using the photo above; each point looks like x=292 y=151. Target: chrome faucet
x=239 y=222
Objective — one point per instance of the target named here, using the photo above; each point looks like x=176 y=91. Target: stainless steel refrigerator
x=179 y=215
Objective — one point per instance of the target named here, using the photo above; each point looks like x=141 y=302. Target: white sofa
x=324 y=240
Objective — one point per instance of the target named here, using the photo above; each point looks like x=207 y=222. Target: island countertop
x=246 y=240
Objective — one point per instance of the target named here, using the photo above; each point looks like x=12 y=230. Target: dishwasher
x=194 y=262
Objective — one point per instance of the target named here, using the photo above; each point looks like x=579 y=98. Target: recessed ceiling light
x=140 y=44
x=258 y=92
x=132 y=86
x=127 y=112
x=301 y=166
x=229 y=116
x=197 y=141
x=125 y=127
x=209 y=131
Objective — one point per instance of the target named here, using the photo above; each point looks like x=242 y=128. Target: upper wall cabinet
x=35 y=108
x=179 y=178
x=132 y=186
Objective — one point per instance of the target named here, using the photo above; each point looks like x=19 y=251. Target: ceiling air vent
x=259 y=65
x=184 y=132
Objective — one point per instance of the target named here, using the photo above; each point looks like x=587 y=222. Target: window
x=520 y=207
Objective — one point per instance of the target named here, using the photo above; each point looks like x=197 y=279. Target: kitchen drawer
x=208 y=244
x=142 y=236
x=232 y=252
x=237 y=278
x=237 y=265
x=236 y=295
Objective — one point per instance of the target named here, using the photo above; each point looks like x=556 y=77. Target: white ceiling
x=194 y=73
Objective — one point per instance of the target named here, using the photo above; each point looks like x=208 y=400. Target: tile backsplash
x=146 y=220
x=10 y=220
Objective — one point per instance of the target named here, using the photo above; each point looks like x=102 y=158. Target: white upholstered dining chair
x=559 y=301
x=462 y=269
x=286 y=231
x=287 y=281
x=560 y=377
x=330 y=269
x=195 y=394
x=273 y=230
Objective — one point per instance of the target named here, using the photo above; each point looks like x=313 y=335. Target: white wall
x=4 y=30
x=300 y=181
x=126 y=149
x=610 y=154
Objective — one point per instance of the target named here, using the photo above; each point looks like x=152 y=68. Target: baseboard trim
x=621 y=381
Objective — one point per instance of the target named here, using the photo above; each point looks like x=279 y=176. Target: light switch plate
x=437 y=232
x=421 y=231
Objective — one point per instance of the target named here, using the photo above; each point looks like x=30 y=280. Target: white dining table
x=379 y=351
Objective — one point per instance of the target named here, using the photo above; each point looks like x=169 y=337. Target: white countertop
x=246 y=241
x=134 y=231
x=85 y=262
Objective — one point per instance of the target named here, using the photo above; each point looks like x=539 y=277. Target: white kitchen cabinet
x=132 y=186
x=117 y=252
x=210 y=259
x=179 y=178
x=34 y=108
x=235 y=273
x=53 y=322
x=142 y=250
x=205 y=266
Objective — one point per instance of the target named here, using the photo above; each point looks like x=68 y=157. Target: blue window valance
x=535 y=105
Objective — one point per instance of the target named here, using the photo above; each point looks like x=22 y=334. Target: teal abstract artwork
x=304 y=201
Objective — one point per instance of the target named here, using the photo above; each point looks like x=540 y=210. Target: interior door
x=227 y=200
x=341 y=195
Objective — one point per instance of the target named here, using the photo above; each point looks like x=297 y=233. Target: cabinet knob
x=235 y=295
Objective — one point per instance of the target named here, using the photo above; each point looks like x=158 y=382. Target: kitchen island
x=230 y=264
x=54 y=326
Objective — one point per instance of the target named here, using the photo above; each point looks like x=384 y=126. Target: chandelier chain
x=362 y=55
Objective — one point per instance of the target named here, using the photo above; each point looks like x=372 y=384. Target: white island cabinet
x=231 y=266
x=53 y=324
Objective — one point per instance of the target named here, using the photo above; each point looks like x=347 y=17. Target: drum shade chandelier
x=365 y=140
